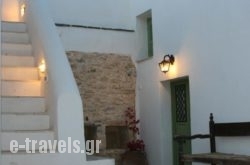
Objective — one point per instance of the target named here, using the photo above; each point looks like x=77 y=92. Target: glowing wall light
x=42 y=66
x=166 y=62
x=22 y=10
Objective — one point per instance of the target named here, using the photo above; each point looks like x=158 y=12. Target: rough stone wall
x=107 y=87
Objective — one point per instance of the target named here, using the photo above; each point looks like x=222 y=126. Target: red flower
x=131 y=122
x=136 y=145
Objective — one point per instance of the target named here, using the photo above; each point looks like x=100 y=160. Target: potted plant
x=135 y=155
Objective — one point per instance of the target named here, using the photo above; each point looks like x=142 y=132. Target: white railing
x=62 y=96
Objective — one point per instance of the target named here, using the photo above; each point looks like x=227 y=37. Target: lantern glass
x=164 y=66
x=165 y=63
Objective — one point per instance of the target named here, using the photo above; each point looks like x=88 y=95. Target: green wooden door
x=180 y=113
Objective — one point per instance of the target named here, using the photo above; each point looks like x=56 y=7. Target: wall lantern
x=166 y=62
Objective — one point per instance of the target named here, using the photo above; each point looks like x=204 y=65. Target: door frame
x=181 y=80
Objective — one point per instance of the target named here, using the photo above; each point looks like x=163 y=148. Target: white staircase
x=23 y=106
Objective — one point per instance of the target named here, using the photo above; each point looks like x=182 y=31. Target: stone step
x=21 y=105
x=25 y=122
x=13 y=27
x=23 y=158
x=20 y=137
x=19 y=73
x=96 y=160
x=16 y=49
x=17 y=61
x=13 y=37
x=22 y=88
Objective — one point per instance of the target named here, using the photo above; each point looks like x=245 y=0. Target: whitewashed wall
x=210 y=40
x=98 y=13
x=92 y=40
x=108 y=13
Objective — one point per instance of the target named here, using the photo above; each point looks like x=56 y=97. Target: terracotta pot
x=134 y=158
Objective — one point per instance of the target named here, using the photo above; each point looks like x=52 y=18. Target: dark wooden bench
x=216 y=130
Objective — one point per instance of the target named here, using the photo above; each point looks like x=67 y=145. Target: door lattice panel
x=181 y=103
